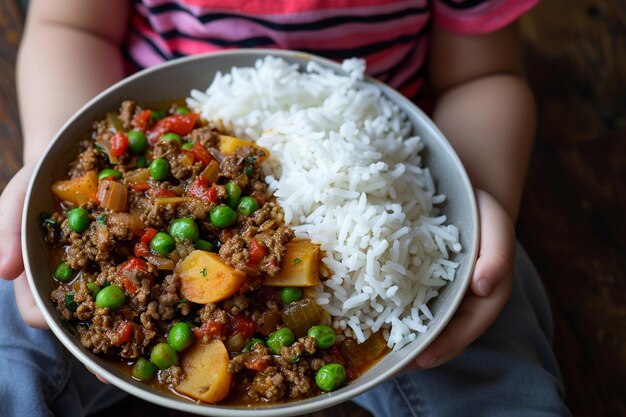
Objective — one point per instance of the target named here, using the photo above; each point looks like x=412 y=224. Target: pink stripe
x=415 y=62
x=411 y=89
x=348 y=35
x=302 y=15
x=142 y=53
x=385 y=59
x=485 y=18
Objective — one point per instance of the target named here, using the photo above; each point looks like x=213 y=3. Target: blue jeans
x=509 y=371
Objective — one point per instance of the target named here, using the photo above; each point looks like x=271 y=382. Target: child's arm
x=486 y=110
x=69 y=53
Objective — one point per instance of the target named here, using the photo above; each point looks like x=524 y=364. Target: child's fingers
x=11 y=204
x=474 y=316
x=497 y=245
x=26 y=303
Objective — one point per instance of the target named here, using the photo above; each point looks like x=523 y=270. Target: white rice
x=346 y=168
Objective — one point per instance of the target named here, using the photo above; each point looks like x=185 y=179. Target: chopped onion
x=373 y=348
x=211 y=172
x=172 y=200
x=160 y=262
x=186 y=160
x=219 y=157
x=267 y=322
x=300 y=315
x=112 y=195
x=105 y=146
x=235 y=343
x=138 y=176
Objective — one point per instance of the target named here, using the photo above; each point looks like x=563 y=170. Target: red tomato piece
x=130 y=286
x=133 y=264
x=140 y=187
x=256 y=363
x=201 y=154
x=141 y=120
x=119 y=143
x=257 y=252
x=123 y=333
x=160 y=192
x=200 y=189
x=181 y=124
x=148 y=235
x=209 y=329
x=141 y=249
x=258 y=197
x=243 y=325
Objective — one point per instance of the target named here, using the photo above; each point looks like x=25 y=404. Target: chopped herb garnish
x=106 y=284
x=251 y=159
x=70 y=304
x=47 y=221
x=296 y=261
x=248 y=171
x=182 y=300
x=295 y=359
x=203 y=272
x=101 y=219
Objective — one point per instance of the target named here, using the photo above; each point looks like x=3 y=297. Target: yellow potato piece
x=206 y=278
x=206 y=372
x=78 y=190
x=229 y=144
x=300 y=267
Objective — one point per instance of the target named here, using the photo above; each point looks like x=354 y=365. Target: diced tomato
x=243 y=325
x=256 y=363
x=181 y=124
x=130 y=286
x=257 y=252
x=148 y=235
x=161 y=192
x=258 y=197
x=119 y=143
x=209 y=329
x=141 y=120
x=141 y=249
x=133 y=264
x=200 y=189
x=201 y=154
x=123 y=333
x=140 y=187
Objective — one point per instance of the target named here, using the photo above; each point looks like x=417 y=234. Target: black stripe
x=152 y=45
x=293 y=27
x=131 y=61
x=242 y=43
x=467 y=4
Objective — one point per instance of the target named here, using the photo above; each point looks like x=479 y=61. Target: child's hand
x=490 y=286
x=11 y=266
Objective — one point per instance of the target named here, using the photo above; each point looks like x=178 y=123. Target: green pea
x=163 y=244
x=69 y=302
x=203 y=245
x=108 y=172
x=164 y=356
x=223 y=216
x=101 y=219
x=252 y=343
x=188 y=145
x=137 y=142
x=168 y=137
x=247 y=206
x=278 y=339
x=78 y=219
x=112 y=297
x=141 y=162
x=180 y=337
x=159 y=168
x=324 y=336
x=144 y=370
x=157 y=114
x=184 y=228
x=233 y=193
x=63 y=272
x=94 y=288
x=181 y=110
x=330 y=377
x=290 y=294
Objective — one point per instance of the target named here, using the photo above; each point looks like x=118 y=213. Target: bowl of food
x=249 y=233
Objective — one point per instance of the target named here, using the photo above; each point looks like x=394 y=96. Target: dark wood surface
x=573 y=212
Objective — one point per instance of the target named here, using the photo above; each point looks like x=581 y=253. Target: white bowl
x=174 y=80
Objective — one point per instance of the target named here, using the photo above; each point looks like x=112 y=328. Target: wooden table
x=572 y=217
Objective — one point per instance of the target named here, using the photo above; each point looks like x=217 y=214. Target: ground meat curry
x=173 y=261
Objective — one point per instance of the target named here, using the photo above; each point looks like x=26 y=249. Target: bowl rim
x=284 y=409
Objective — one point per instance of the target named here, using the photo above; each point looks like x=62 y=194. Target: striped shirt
x=391 y=35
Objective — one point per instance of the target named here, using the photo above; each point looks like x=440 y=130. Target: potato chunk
x=78 y=190
x=229 y=144
x=300 y=266
x=206 y=278
x=206 y=372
